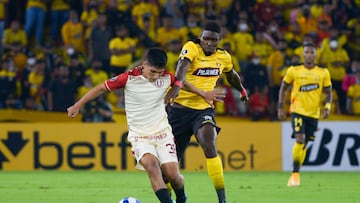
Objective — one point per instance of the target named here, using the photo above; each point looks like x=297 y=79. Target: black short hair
x=309 y=44
x=156 y=57
x=212 y=26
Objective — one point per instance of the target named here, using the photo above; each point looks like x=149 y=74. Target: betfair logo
x=14 y=143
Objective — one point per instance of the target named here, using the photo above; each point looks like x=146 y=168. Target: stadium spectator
x=259 y=104
x=59 y=15
x=192 y=114
x=35 y=18
x=353 y=95
x=98 y=46
x=308 y=83
x=14 y=39
x=350 y=78
x=3 y=5
x=97 y=110
x=336 y=60
x=149 y=130
x=61 y=91
x=96 y=72
x=166 y=32
x=73 y=34
x=191 y=30
x=244 y=41
x=122 y=50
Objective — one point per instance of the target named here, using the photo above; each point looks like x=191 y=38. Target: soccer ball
x=129 y=200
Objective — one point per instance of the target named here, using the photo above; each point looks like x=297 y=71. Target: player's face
x=209 y=41
x=309 y=55
x=152 y=73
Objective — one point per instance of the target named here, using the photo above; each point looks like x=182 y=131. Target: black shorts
x=304 y=125
x=185 y=122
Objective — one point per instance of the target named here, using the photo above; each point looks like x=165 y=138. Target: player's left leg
x=206 y=136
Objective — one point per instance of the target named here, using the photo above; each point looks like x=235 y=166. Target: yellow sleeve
x=289 y=76
x=23 y=39
x=6 y=38
x=189 y=51
x=112 y=43
x=327 y=80
x=65 y=30
x=350 y=92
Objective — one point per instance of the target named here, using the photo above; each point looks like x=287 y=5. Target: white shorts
x=162 y=146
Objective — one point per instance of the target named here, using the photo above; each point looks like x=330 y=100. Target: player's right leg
x=152 y=167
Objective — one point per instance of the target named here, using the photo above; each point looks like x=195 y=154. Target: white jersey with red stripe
x=144 y=101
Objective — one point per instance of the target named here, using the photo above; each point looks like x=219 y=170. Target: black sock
x=163 y=195
x=221 y=195
x=180 y=195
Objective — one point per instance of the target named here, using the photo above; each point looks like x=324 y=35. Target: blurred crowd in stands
x=54 y=51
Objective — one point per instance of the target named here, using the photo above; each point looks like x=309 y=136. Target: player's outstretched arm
x=181 y=68
x=209 y=97
x=90 y=95
x=235 y=81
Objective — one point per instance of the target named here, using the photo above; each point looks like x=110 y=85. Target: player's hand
x=172 y=94
x=325 y=113
x=244 y=97
x=281 y=114
x=73 y=111
x=214 y=95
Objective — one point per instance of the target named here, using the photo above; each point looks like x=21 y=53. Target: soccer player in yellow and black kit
x=308 y=82
x=199 y=66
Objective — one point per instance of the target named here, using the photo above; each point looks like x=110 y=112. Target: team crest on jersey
x=159 y=83
x=113 y=78
x=185 y=51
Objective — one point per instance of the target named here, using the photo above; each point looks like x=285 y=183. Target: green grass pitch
x=110 y=187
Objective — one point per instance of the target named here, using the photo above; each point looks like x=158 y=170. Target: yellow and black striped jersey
x=203 y=73
x=307 y=86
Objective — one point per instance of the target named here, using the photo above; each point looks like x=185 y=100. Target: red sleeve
x=172 y=77
x=117 y=82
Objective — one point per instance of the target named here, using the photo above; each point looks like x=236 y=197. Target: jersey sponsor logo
x=207 y=72
x=309 y=87
x=159 y=83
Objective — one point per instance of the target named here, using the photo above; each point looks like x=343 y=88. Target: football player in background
x=308 y=82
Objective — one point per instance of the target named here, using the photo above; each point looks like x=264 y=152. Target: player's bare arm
x=209 y=97
x=182 y=66
x=92 y=94
x=281 y=113
x=235 y=81
x=328 y=100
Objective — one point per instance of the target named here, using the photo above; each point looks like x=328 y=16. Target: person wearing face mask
x=336 y=59
x=244 y=41
x=353 y=93
x=72 y=33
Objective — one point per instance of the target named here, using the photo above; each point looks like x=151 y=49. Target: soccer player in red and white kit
x=149 y=131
